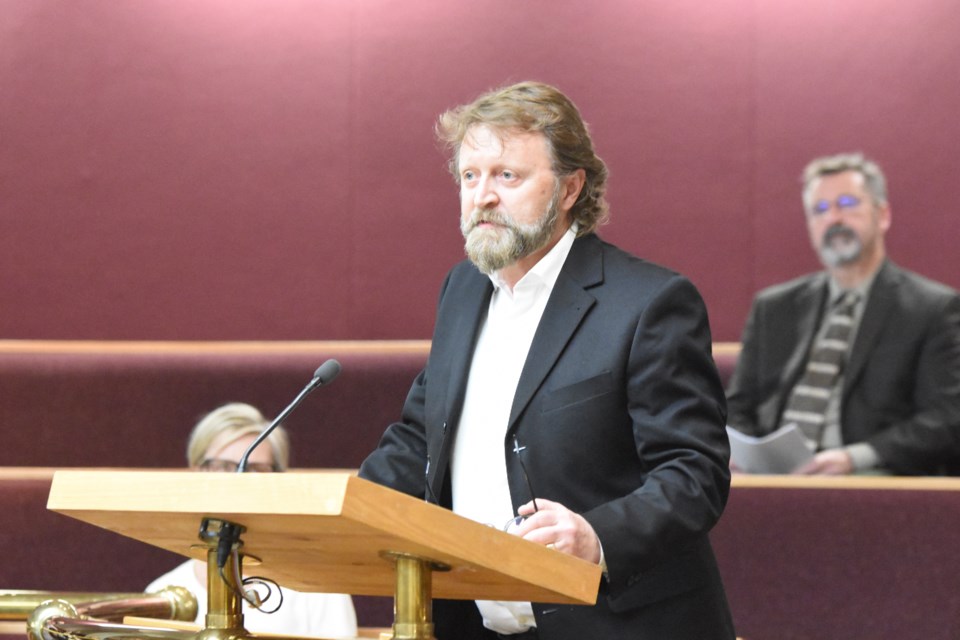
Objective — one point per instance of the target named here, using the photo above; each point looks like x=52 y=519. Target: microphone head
x=326 y=372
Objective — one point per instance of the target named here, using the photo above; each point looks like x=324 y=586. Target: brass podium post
x=224 y=603
x=413 y=596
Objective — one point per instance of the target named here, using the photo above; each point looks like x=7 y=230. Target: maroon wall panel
x=252 y=169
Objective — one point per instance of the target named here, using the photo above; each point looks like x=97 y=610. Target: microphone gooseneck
x=325 y=374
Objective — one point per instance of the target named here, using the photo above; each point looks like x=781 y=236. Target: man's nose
x=833 y=215
x=485 y=194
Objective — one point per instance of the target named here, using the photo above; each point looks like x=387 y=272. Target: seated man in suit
x=863 y=357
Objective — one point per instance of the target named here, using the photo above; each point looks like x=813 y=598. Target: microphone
x=230 y=533
x=325 y=374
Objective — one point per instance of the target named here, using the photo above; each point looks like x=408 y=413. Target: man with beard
x=568 y=382
x=865 y=357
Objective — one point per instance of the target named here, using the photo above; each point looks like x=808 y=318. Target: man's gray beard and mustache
x=848 y=249
x=493 y=249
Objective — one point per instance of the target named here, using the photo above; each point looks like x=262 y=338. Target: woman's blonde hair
x=238 y=420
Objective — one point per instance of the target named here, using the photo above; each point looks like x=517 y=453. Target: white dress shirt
x=478 y=467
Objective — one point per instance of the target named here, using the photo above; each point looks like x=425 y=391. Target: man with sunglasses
x=864 y=357
x=570 y=383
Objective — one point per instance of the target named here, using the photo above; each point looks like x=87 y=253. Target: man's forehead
x=514 y=142
x=840 y=178
x=484 y=135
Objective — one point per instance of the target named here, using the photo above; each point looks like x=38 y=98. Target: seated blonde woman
x=217 y=443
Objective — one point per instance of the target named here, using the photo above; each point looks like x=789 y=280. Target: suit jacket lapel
x=879 y=305
x=568 y=304
x=469 y=305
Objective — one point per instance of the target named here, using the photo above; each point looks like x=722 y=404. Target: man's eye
x=847 y=202
x=468 y=175
x=508 y=175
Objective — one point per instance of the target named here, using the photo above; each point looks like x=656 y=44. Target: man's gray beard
x=493 y=249
x=849 y=250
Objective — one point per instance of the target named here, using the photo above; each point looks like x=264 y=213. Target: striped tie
x=807 y=406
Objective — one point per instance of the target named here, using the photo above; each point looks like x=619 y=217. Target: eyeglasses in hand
x=523 y=468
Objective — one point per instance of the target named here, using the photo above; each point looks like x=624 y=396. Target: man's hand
x=832 y=462
x=556 y=526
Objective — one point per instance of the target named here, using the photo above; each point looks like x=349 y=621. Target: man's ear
x=571 y=186
x=885 y=217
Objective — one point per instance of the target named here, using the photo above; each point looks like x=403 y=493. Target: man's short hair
x=873 y=180
x=535 y=107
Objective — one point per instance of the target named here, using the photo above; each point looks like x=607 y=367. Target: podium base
x=413 y=596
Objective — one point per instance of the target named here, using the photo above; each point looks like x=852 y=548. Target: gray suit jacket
x=621 y=411
x=901 y=389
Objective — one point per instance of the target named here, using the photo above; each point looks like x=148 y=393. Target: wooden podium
x=329 y=531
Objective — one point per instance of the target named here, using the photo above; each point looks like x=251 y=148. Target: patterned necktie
x=807 y=406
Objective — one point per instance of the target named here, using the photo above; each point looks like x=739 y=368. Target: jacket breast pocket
x=581 y=391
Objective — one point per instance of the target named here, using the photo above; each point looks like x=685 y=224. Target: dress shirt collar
x=862 y=290
x=546 y=271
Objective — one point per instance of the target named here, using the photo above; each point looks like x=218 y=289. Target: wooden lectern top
x=323 y=531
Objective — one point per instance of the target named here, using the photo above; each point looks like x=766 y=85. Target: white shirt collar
x=863 y=289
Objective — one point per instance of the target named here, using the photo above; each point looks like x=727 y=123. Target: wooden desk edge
x=889 y=483
x=234 y=347
x=215 y=347
x=740 y=481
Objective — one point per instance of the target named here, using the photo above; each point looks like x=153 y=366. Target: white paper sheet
x=779 y=452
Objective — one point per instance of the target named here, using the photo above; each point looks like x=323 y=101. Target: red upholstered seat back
x=857 y=564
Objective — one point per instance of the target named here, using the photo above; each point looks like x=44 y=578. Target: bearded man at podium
x=569 y=383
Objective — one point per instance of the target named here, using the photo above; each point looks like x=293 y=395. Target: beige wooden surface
x=13 y=627
x=323 y=531
x=188 y=347
x=894 y=483
x=181 y=347
x=739 y=480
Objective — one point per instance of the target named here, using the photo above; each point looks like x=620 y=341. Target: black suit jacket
x=901 y=389
x=621 y=411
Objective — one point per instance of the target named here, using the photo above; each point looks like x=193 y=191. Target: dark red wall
x=238 y=169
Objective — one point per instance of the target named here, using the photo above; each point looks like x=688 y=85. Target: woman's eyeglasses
x=230 y=466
